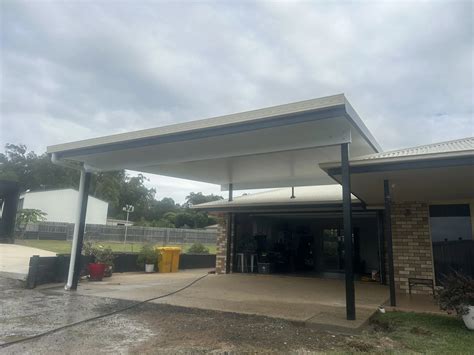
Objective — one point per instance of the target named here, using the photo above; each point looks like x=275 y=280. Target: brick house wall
x=412 y=249
x=221 y=247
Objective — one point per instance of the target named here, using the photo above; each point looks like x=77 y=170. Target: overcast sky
x=76 y=70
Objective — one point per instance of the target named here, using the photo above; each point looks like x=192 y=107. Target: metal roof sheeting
x=457 y=148
x=454 y=146
x=304 y=195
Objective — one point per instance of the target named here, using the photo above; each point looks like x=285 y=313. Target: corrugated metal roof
x=454 y=146
x=304 y=195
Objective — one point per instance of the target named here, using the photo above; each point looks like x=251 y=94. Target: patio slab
x=15 y=260
x=311 y=301
x=415 y=303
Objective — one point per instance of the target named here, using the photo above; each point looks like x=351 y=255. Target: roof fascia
x=359 y=125
x=241 y=127
x=376 y=167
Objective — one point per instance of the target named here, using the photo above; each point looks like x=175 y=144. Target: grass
x=425 y=333
x=64 y=247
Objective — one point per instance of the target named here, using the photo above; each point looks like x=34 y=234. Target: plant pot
x=149 y=267
x=96 y=271
x=469 y=318
x=108 y=271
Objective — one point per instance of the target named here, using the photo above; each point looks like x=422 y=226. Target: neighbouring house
x=118 y=222
x=61 y=205
x=408 y=212
x=212 y=227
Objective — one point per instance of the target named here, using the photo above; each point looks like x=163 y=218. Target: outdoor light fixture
x=129 y=209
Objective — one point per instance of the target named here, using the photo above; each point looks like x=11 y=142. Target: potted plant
x=147 y=258
x=102 y=259
x=105 y=256
x=457 y=296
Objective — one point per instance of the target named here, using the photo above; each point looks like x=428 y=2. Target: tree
x=159 y=209
x=27 y=216
x=184 y=220
x=170 y=216
x=163 y=223
x=197 y=198
x=134 y=192
x=37 y=172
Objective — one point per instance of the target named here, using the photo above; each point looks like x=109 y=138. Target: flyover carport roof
x=271 y=147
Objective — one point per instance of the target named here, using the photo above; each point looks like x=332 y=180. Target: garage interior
x=306 y=244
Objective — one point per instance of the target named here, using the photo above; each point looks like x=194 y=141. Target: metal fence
x=455 y=255
x=135 y=234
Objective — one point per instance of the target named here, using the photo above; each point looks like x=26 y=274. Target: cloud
x=76 y=70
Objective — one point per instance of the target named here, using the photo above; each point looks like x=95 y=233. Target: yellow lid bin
x=168 y=259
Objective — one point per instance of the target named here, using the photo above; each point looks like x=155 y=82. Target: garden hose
x=4 y=345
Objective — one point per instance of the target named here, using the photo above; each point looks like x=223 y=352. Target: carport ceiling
x=271 y=147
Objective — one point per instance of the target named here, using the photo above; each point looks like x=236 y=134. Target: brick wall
x=412 y=249
x=221 y=249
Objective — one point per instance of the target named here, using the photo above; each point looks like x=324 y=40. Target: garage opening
x=304 y=244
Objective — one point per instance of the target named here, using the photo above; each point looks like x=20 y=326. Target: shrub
x=457 y=294
x=147 y=255
x=99 y=253
x=198 y=248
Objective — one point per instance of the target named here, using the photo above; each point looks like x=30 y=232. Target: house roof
x=453 y=148
x=270 y=147
x=304 y=195
x=433 y=172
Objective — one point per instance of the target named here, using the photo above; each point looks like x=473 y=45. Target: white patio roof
x=271 y=147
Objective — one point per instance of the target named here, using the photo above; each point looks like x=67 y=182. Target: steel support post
x=381 y=245
x=79 y=227
x=388 y=229
x=348 y=243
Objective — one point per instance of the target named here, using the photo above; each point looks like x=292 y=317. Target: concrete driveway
x=312 y=301
x=15 y=260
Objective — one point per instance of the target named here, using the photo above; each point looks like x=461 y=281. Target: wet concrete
x=415 y=303
x=24 y=313
x=312 y=301
x=150 y=328
x=15 y=260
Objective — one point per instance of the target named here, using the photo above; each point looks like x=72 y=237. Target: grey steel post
x=78 y=238
x=348 y=244
x=381 y=245
x=388 y=229
x=231 y=192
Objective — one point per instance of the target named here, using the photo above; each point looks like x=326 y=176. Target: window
x=450 y=222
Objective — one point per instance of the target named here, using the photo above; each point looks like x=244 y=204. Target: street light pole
x=129 y=209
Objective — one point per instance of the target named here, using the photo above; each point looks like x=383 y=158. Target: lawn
x=64 y=247
x=424 y=333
